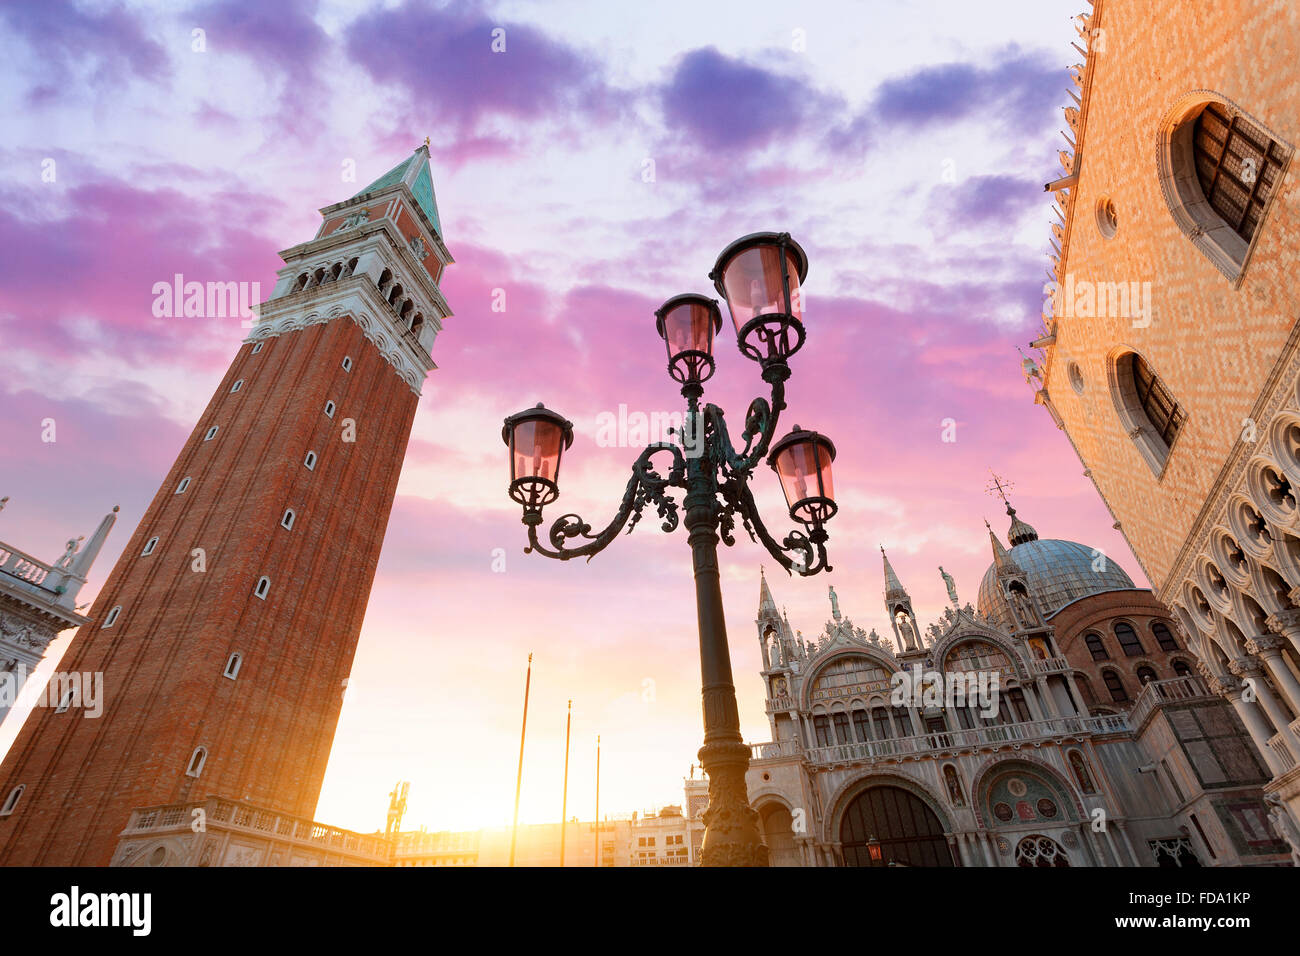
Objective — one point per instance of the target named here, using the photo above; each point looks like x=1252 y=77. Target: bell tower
x=227 y=629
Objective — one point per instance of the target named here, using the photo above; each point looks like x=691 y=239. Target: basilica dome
x=1056 y=571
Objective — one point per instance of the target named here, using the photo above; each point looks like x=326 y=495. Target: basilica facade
x=1059 y=722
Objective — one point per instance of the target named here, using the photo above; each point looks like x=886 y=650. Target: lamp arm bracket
x=760 y=426
x=646 y=486
x=798 y=551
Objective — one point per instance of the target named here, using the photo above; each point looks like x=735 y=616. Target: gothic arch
x=941 y=651
x=850 y=790
x=870 y=653
x=996 y=764
x=1179 y=183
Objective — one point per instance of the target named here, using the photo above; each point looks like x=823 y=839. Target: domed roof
x=1057 y=572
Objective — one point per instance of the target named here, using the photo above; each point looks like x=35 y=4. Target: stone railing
x=241 y=816
x=974 y=738
x=1160 y=692
x=776 y=750
x=23 y=566
x=1277 y=743
x=1049 y=665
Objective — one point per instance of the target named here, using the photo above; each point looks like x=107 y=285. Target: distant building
x=37 y=601
x=1099 y=746
x=669 y=836
x=1170 y=352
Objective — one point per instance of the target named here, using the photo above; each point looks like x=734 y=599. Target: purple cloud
x=445 y=61
x=1020 y=89
x=724 y=103
x=64 y=36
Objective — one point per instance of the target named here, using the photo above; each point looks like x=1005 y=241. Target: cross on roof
x=999 y=486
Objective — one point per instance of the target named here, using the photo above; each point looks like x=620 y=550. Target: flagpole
x=519 y=777
x=596 y=862
x=564 y=811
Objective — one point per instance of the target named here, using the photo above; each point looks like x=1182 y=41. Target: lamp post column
x=731 y=835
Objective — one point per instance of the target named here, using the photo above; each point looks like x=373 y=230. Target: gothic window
x=385 y=278
x=841 y=721
x=1147 y=410
x=1181 y=669
x=329 y=409
x=1116 y=686
x=197 y=760
x=1096 y=648
x=287 y=520
x=212 y=433
x=964 y=719
x=185 y=483
x=860 y=725
x=880 y=718
x=347 y=363
x=263 y=587
x=310 y=460
x=1157 y=404
x=1237 y=166
x=149 y=546
x=352 y=266
x=822 y=727
x=1146 y=674
x=903 y=721
x=1040 y=851
x=1128 y=639
x=301 y=283
x=237 y=386
x=112 y=616
x=232 y=666
x=11 y=801
x=257 y=348
x=1164 y=637
x=1081 y=775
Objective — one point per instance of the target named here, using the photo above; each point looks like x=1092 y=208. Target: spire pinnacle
x=765 y=602
x=1002 y=560
x=892 y=585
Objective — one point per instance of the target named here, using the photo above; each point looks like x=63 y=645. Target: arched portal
x=778 y=834
x=906 y=830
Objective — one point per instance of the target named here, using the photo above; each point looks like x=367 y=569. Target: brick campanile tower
x=226 y=631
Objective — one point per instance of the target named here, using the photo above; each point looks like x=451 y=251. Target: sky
x=585 y=173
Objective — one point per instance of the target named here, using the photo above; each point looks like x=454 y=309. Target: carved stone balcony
x=1049 y=665
x=239 y=834
x=995 y=736
x=1161 y=692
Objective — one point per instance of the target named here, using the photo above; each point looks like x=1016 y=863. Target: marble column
x=1250 y=717
x=1249 y=669
x=1268 y=648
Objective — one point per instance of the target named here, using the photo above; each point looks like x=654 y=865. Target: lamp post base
x=731 y=834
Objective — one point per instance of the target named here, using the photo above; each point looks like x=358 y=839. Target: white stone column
x=1250 y=669
x=1251 y=718
x=1268 y=647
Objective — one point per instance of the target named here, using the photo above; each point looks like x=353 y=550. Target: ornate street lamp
x=759 y=276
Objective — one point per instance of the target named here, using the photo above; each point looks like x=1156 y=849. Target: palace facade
x=1170 y=352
